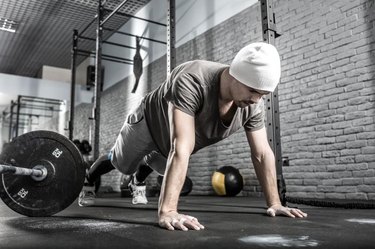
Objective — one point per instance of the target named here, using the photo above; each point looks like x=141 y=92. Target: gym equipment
x=78 y=144
x=84 y=147
x=137 y=64
x=186 y=188
x=42 y=173
x=227 y=181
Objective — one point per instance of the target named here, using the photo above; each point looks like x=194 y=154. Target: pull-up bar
x=136 y=17
x=107 y=42
x=128 y=34
x=106 y=57
x=116 y=11
x=107 y=18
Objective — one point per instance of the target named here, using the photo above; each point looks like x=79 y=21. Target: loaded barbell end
x=41 y=177
x=38 y=173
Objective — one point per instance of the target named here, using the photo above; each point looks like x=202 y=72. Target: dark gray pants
x=134 y=146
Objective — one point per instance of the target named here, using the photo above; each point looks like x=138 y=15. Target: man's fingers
x=194 y=222
x=187 y=223
x=303 y=213
x=193 y=225
x=290 y=212
x=166 y=225
x=295 y=212
x=298 y=213
x=181 y=222
x=192 y=218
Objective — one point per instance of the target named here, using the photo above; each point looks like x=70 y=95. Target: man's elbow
x=262 y=156
x=181 y=149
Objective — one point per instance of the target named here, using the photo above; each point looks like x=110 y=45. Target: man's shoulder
x=202 y=63
x=199 y=69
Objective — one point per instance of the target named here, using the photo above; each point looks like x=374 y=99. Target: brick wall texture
x=326 y=98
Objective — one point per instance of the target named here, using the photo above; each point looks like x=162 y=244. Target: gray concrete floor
x=237 y=222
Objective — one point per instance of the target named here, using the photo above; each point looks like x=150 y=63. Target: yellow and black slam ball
x=227 y=181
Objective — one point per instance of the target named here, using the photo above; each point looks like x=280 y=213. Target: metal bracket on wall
x=171 y=36
x=272 y=101
x=98 y=78
x=73 y=83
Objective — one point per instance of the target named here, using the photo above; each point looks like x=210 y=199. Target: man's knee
x=156 y=161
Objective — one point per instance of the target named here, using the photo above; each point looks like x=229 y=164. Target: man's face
x=244 y=96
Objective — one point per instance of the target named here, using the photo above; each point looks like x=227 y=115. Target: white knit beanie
x=258 y=66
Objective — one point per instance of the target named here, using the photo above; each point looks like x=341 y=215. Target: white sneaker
x=138 y=192
x=87 y=196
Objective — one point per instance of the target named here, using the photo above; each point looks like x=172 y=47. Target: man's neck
x=227 y=108
x=225 y=90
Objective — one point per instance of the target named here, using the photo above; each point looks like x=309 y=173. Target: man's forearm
x=266 y=173
x=174 y=178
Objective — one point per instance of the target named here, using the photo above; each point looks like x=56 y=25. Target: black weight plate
x=64 y=181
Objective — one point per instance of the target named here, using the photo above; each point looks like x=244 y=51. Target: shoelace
x=138 y=192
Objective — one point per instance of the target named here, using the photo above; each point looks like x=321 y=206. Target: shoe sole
x=86 y=204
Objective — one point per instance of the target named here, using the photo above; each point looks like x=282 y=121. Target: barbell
x=42 y=173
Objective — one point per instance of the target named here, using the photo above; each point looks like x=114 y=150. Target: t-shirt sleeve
x=185 y=94
x=256 y=120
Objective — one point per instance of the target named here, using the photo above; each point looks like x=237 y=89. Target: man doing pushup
x=199 y=104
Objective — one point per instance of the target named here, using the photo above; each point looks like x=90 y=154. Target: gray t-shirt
x=193 y=87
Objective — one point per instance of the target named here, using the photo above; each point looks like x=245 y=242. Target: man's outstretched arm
x=182 y=130
x=264 y=164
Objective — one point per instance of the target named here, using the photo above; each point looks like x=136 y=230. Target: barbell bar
x=38 y=173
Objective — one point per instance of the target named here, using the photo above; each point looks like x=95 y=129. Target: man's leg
x=132 y=144
x=154 y=161
x=100 y=167
x=142 y=173
x=137 y=184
